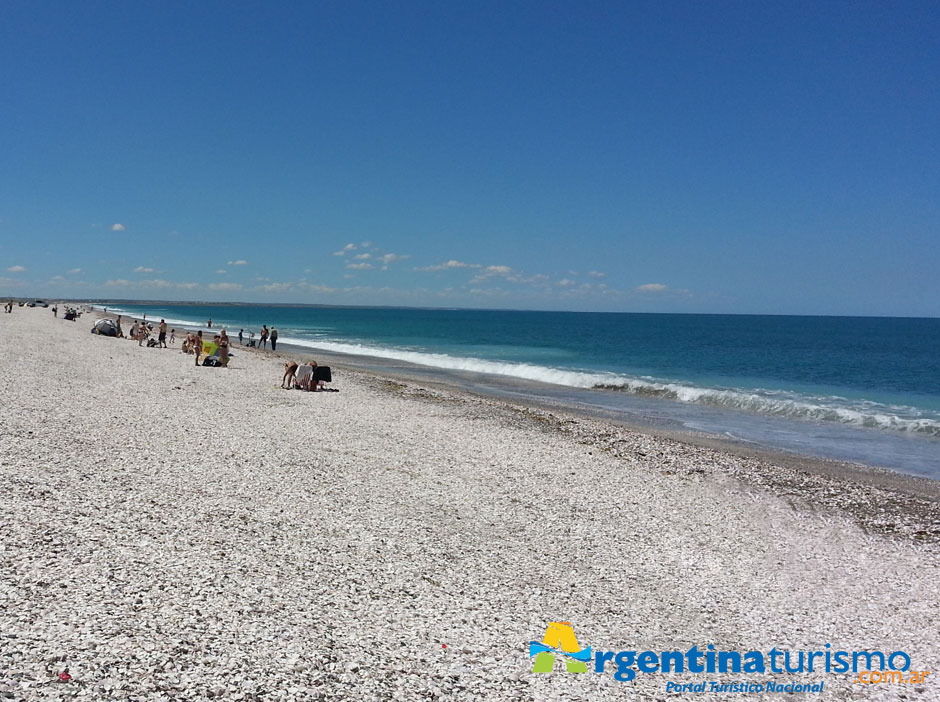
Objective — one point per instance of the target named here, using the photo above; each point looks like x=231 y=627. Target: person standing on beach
x=223 y=349
x=264 y=336
x=120 y=333
x=162 y=336
x=241 y=337
x=273 y=338
x=197 y=346
x=210 y=322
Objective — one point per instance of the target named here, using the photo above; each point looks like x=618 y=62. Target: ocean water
x=856 y=388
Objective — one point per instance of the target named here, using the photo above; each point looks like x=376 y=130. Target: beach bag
x=211 y=361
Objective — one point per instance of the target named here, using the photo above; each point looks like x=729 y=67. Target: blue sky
x=747 y=157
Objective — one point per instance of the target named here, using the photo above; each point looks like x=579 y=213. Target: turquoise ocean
x=863 y=389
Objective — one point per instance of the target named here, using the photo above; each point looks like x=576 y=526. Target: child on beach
x=172 y=336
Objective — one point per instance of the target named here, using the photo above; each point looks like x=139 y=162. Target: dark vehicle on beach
x=40 y=303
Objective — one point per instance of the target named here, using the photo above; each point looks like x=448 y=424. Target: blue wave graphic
x=584 y=655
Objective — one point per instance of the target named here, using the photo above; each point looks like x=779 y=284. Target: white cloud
x=346 y=249
x=652 y=287
x=16 y=269
x=309 y=287
x=597 y=274
x=142 y=269
x=239 y=262
x=359 y=266
x=363 y=256
x=221 y=271
x=490 y=271
x=392 y=258
x=117 y=228
x=566 y=283
x=224 y=286
x=151 y=283
x=56 y=279
x=448 y=265
x=74 y=271
x=276 y=287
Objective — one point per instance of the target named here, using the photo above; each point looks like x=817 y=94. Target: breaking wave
x=781 y=403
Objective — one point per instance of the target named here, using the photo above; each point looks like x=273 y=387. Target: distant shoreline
x=312 y=305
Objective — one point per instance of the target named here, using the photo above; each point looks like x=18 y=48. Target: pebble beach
x=178 y=532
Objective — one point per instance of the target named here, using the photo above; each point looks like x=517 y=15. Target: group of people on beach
x=141 y=331
x=299 y=376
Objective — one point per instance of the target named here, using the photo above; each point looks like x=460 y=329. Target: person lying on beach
x=290 y=370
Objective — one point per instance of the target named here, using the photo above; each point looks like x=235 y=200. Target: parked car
x=40 y=303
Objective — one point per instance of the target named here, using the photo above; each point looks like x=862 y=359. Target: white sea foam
x=774 y=402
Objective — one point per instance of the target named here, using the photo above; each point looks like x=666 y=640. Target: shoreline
x=880 y=500
x=198 y=532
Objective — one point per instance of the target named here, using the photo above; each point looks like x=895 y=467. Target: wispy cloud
x=16 y=269
x=143 y=269
x=221 y=271
x=345 y=250
x=448 y=265
x=363 y=256
x=118 y=227
x=152 y=283
x=495 y=271
x=388 y=258
x=224 y=286
x=239 y=262
x=74 y=271
x=276 y=287
x=359 y=266
x=597 y=274
x=662 y=290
